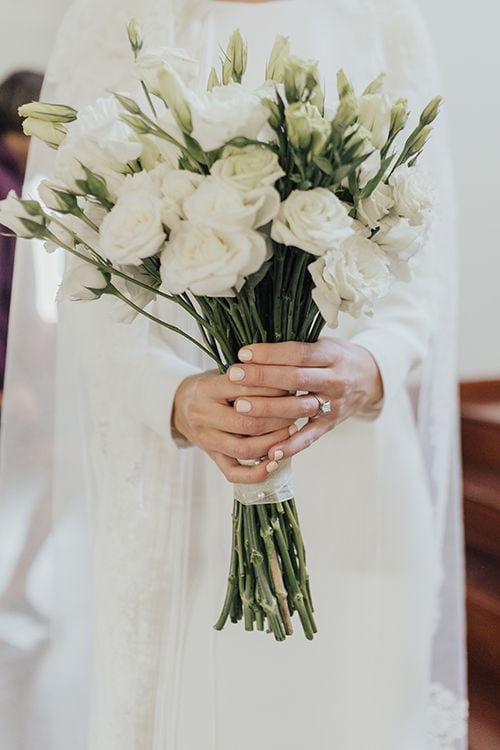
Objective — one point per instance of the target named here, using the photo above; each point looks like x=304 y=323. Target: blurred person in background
x=20 y=87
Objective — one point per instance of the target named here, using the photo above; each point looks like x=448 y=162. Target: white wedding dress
x=161 y=677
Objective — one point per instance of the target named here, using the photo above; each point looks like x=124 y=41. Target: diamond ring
x=324 y=406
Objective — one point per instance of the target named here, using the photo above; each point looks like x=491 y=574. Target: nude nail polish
x=236 y=374
x=278 y=455
x=272 y=467
x=245 y=355
x=293 y=430
x=243 y=407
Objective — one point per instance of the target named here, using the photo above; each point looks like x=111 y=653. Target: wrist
x=370 y=378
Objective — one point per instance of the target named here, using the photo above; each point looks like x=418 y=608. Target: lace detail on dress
x=448 y=719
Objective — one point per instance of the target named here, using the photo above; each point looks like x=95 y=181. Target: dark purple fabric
x=10 y=179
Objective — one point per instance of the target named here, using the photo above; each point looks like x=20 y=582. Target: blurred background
x=465 y=37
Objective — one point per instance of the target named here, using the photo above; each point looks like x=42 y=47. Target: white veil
x=38 y=459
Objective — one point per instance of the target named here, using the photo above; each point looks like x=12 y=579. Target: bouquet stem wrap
x=277 y=488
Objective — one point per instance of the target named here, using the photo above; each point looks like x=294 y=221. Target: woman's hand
x=344 y=374
x=203 y=413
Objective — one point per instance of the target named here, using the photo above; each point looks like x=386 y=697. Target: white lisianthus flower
x=210 y=262
x=150 y=62
x=312 y=220
x=412 y=193
x=101 y=142
x=373 y=209
x=133 y=229
x=14 y=213
x=224 y=113
x=248 y=168
x=175 y=187
x=307 y=128
x=349 y=279
x=375 y=116
x=82 y=282
x=400 y=240
x=220 y=205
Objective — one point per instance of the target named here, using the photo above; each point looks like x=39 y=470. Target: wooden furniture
x=480 y=418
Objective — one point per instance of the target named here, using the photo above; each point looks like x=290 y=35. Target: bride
x=147 y=441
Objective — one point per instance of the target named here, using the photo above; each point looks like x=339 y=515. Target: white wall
x=466 y=41
x=467 y=45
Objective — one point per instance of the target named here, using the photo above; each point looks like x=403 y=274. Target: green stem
x=232 y=578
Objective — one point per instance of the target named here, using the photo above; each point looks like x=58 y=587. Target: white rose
x=400 y=241
x=133 y=229
x=210 y=262
x=248 y=168
x=375 y=116
x=151 y=62
x=412 y=193
x=13 y=214
x=312 y=220
x=220 y=205
x=174 y=186
x=349 y=279
x=80 y=280
x=101 y=142
x=373 y=209
x=224 y=113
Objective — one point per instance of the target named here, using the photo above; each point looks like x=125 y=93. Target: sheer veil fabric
x=105 y=466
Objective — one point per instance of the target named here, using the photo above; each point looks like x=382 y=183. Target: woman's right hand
x=203 y=413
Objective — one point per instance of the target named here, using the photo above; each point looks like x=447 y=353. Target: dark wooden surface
x=480 y=407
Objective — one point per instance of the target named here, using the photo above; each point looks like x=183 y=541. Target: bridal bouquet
x=258 y=212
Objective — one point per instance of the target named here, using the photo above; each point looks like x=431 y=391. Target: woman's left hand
x=339 y=372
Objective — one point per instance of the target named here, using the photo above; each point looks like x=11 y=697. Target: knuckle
x=251 y=425
x=301 y=380
x=244 y=450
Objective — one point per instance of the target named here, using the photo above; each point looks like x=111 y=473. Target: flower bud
x=136 y=123
x=344 y=85
x=173 y=94
x=213 y=80
x=399 y=116
x=51 y=133
x=420 y=139
x=317 y=98
x=301 y=78
x=57 y=198
x=57 y=113
x=307 y=129
x=347 y=112
x=275 y=113
x=135 y=36
x=280 y=55
x=235 y=64
x=24 y=218
x=431 y=111
x=376 y=86
x=128 y=104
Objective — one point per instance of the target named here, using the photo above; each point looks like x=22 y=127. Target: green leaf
x=255 y=279
x=324 y=164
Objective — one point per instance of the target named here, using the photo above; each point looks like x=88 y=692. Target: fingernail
x=272 y=467
x=243 y=407
x=278 y=455
x=293 y=430
x=245 y=355
x=236 y=374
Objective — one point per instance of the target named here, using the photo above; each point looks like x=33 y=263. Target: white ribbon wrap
x=277 y=488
